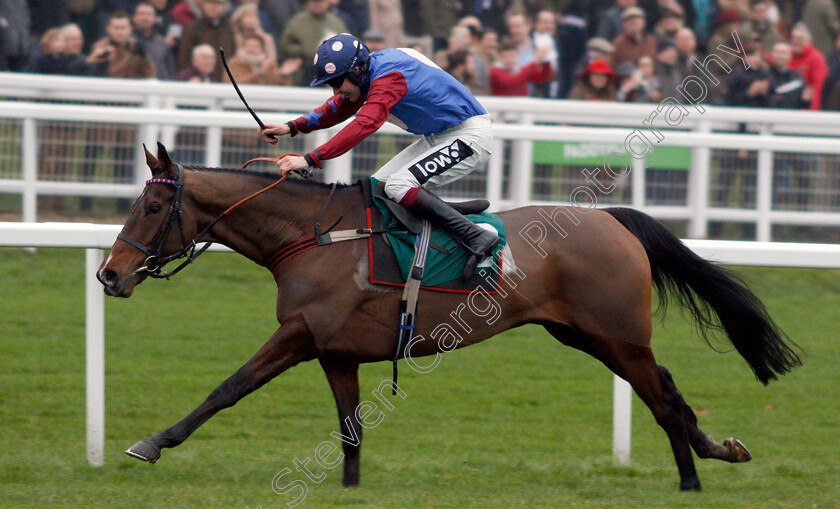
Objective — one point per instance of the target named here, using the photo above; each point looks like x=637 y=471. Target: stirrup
x=474 y=259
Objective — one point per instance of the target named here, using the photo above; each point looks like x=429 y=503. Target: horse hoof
x=691 y=485
x=738 y=452
x=144 y=450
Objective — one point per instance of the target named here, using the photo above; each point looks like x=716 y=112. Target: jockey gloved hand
x=273 y=129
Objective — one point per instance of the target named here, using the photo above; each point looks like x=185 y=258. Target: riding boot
x=478 y=241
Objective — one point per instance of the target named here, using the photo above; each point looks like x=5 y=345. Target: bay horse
x=589 y=284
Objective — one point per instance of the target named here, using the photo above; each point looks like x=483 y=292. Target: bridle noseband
x=154 y=262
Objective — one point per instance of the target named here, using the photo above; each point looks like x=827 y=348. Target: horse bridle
x=154 y=261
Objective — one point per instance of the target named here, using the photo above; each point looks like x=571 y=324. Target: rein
x=154 y=263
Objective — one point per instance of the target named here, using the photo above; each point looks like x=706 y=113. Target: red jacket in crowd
x=810 y=63
x=504 y=82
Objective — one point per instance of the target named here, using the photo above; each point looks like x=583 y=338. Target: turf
x=518 y=421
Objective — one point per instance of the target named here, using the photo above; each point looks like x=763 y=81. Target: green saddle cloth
x=441 y=267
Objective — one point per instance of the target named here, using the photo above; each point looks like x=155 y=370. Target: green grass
x=518 y=421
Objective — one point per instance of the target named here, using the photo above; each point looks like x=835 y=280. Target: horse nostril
x=108 y=277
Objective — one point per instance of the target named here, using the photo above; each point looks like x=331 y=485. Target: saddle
x=392 y=253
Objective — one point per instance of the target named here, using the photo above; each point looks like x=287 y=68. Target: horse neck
x=257 y=227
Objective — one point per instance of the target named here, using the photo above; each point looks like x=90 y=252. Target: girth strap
x=408 y=304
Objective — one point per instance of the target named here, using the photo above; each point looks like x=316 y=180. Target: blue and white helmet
x=337 y=57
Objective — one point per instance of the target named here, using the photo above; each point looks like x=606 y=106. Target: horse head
x=157 y=231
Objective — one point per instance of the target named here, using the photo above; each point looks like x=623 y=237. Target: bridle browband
x=154 y=262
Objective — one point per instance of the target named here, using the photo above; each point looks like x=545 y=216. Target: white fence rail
x=153 y=106
x=95 y=238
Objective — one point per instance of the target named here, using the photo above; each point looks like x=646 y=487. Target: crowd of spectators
x=613 y=50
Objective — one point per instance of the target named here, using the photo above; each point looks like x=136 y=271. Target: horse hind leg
x=344 y=382
x=704 y=445
x=636 y=364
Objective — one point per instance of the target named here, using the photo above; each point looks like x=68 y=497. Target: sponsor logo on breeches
x=440 y=160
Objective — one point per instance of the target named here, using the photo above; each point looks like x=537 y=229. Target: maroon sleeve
x=337 y=109
x=384 y=93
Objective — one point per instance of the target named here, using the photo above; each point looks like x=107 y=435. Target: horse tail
x=703 y=288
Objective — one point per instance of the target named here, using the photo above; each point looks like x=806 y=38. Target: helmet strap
x=357 y=74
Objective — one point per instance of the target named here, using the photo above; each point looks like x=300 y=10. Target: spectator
x=50 y=59
x=459 y=39
x=610 y=25
x=202 y=68
x=277 y=15
x=484 y=53
x=212 y=28
x=647 y=90
x=634 y=42
x=668 y=72
x=786 y=85
x=810 y=63
x=83 y=15
x=728 y=22
x=638 y=83
x=118 y=55
x=374 y=39
x=519 y=30
x=597 y=49
x=15 y=34
x=436 y=18
x=824 y=23
x=742 y=7
x=758 y=28
x=571 y=37
x=187 y=12
x=544 y=32
x=387 y=16
x=354 y=13
x=246 y=21
x=252 y=64
x=831 y=89
x=507 y=77
x=163 y=19
x=790 y=173
x=626 y=84
x=473 y=24
x=305 y=32
x=77 y=63
x=488 y=48
x=686 y=44
x=749 y=87
x=462 y=67
x=670 y=19
x=154 y=43
x=700 y=15
x=597 y=83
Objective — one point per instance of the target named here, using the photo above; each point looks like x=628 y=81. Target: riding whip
x=305 y=173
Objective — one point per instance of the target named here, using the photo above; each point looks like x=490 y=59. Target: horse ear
x=151 y=160
x=164 y=160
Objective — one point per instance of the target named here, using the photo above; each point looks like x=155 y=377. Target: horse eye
x=152 y=208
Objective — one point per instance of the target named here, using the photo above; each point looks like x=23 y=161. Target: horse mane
x=268 y=175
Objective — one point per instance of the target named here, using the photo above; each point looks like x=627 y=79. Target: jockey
x=403 y=86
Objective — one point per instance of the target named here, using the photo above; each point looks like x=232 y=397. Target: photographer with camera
x=119 y=55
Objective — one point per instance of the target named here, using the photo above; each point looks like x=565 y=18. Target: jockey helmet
x=341 y=56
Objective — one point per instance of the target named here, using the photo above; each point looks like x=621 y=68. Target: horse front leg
x=290 y=345
x=344 y=381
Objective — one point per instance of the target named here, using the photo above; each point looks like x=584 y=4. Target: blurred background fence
x=70 y=149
